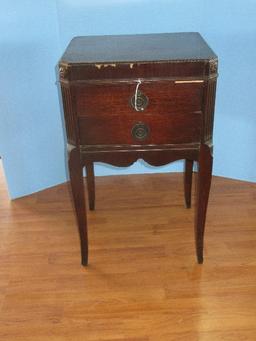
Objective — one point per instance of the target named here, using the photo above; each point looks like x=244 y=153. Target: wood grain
x=142 y=283
x=77 y=189
x=103 y=99
x=113 y=57
x=116 y=130
x=114 y=98
x=188 y=171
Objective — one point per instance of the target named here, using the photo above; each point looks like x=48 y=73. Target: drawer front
x=158 y=113
x=144 y=129
x=164 y=97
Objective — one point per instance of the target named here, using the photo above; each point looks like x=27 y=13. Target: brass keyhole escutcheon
x=140 y=103
x=140 y=131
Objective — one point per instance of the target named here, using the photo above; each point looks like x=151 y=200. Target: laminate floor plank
x=142 y=282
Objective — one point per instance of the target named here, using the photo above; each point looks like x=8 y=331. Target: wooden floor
x=143 y=283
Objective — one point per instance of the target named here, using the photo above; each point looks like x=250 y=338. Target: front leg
x=203 y=189
x=90 y=184
x=188 y=172
x=77 y=186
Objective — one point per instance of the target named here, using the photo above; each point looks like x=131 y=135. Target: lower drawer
x=142 y=129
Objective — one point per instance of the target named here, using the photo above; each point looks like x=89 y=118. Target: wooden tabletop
x=137 y=48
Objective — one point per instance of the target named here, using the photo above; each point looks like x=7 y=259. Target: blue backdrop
x=34 y=35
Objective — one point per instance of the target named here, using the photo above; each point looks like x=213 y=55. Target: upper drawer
x=117 y=98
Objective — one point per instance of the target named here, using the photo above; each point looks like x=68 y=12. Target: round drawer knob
x=139 y=102
x=140 y=131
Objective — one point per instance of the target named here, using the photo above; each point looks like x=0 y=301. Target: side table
x=133 y=97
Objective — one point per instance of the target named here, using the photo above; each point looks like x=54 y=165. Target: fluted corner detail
x=209 y=110
x=70 y=120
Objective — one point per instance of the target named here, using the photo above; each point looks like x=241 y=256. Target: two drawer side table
x=133 y=97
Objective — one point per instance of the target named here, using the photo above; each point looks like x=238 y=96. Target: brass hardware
x=140 y=131
x=213 y=66
x=63 y=71
x=141 y=103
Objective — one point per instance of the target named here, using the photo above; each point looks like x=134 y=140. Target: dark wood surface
x=85 y=73
x=188 y=172
x=113 y=98
x=176 y=84
x=173 y=113
x=77 y=186
x=181 y=128
x=133 y=56
x=137 y=48
x=202 y=195
x=90 y=184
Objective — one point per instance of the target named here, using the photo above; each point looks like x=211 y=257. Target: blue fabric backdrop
x=35 y=33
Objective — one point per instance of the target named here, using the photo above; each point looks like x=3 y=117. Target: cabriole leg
x=90 y=184
x=203 y=189
x=77 y=186
x=188 y=171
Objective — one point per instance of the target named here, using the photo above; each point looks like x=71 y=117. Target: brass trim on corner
x=63 y=71
x=213 y=66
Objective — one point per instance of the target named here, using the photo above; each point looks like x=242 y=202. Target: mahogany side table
x=133 y=97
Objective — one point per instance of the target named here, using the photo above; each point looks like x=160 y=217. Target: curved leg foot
x=203 y=189
x=77 y=186
x=188 y=171
x=90 y=184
